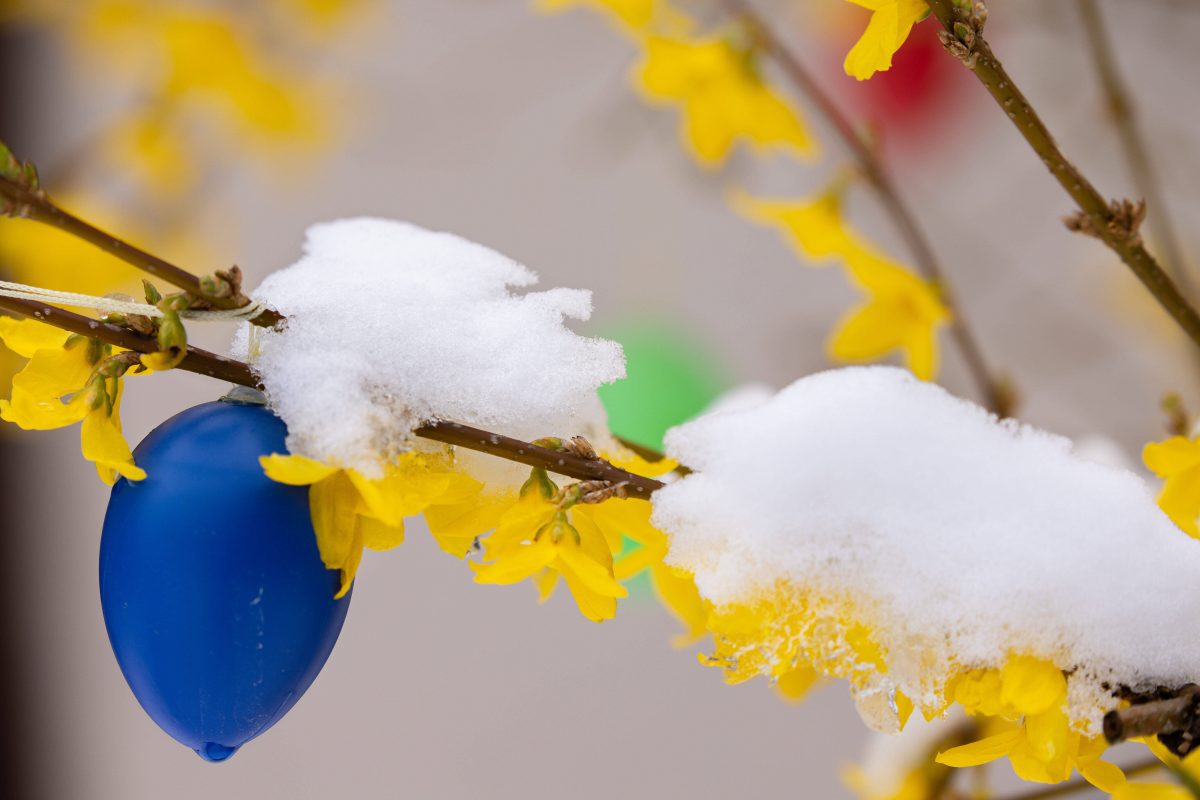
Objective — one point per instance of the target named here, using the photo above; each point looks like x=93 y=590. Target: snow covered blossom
x=67 y=380
x=891 y=21
x=721 y=95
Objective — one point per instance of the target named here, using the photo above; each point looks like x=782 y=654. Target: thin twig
x=1115 y=224
x=452 y=433
x=1123 y=112
x=1080 y=785
x=36 y=205
x=994 y=395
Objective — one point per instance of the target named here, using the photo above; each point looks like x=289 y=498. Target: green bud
x=153 y=296
x=539 y=482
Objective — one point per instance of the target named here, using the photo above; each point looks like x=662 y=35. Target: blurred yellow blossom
x=814 y=226
x=891 y=21
x=1177 y=461
x=1186 y=768
x=64 y=382
x=902 y=312
x=721 y=95
x=351 y=511
x=634 y=16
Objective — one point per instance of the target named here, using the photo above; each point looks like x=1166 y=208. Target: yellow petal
x=295 y=470
x=590 y=571
x=795 y=684
x=545 y=581
x=26 y=336
x=518 y=563
x=379 y=536
x=1180 y=500
x=39 y=388
x=1032 y=685
x=886 y=31
x=982 y=751
x=678 y=593
x=456 y=526
x=1171 y=456
x=333 y=503
x=1104 y=776
x=103 y=443
x=1151 y=791
x=594 y=606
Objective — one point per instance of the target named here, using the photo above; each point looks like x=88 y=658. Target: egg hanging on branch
x=218 y=607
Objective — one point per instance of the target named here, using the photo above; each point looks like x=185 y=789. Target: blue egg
x=217 y=605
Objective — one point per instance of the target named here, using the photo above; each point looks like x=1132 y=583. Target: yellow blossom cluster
x=63 y=382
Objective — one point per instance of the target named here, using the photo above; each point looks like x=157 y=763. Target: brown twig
x=452 y=433
x=1124 y=116
x=35 y=204
x=1174 y=717
x=994 y=394
x=963 y=38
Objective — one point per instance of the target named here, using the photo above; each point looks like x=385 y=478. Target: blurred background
x=215 y=133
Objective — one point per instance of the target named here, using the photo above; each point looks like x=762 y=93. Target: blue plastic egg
x=217 y=605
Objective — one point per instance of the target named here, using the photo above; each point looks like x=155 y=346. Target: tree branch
x=453 y=433
x=36 y=205
x=994 y=394
x=1124 y=116
x=1175 y=719
x=1116 y=223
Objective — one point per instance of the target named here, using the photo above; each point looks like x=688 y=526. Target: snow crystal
x=390 y=325
x=961 y=538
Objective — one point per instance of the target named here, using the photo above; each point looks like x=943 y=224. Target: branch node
x=1122 y=223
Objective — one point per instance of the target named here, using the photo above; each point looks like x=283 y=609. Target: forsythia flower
x=543 y=537
x=722 y=97
x=1177 y=460
x=351 y=511
x=63 y=383
x=1041 y=746
x=815 y=227
x=903 y=313
x=891 y=22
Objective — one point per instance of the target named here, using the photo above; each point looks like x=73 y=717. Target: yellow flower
x=815 y=226
x=543 y=536
x=721 y=95
x=63 y=383
x=1177 y=461
x=891 y=22
x=351 y=511
x=903 y=312
x=1041 y=746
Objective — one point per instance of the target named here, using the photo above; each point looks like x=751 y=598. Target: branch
x=1175 y=720
x=33 y=203
x=1116 y=223
x=453 y=433
x=1124 y=117
x=994 y=394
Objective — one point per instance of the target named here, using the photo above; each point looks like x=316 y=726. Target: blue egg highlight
x=218 y=607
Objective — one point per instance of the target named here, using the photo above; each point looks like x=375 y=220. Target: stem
x=37 y=206
x=877 y=176
x=1163 y=716
x=1103 y=219
x=452 y=433
x=1080 y=785
x=1124 y=117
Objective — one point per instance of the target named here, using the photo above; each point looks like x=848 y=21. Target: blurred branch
x=33 y=203
x=1124 y=116
x=1175 y=719
x=1116 y=223
x=995 y=395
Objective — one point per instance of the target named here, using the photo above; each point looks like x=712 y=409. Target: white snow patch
x=390 y=325
x=963 y=538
